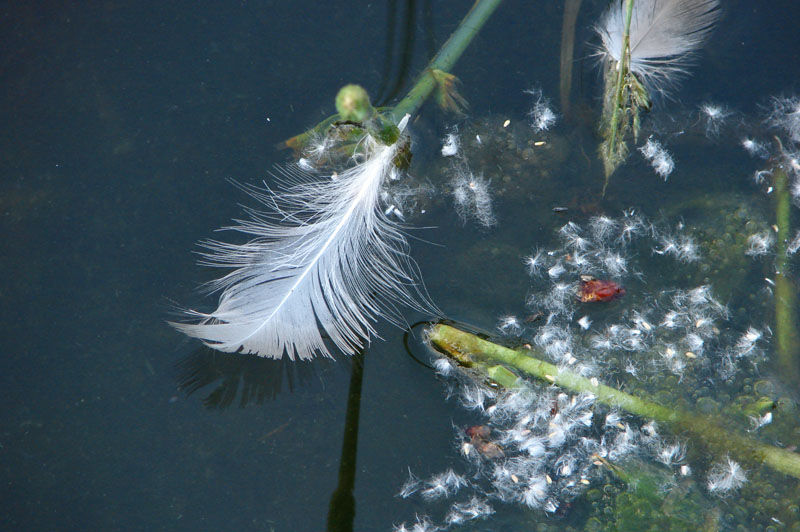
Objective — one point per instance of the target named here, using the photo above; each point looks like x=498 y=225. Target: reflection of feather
x=251 y=380
x=662 y=33
x=335 y=262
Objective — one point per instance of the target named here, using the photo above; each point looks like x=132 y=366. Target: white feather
x=662 y=35
x=334 y=261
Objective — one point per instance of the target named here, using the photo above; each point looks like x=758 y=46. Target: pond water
x=126 y=121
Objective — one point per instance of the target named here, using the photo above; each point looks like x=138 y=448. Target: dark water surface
x=122 y=122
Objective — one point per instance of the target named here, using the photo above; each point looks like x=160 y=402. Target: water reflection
x=254 y=380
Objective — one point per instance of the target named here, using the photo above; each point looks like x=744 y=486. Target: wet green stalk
x=446 y=59
x=624 y=65
x=484 y=356
x=785 y=297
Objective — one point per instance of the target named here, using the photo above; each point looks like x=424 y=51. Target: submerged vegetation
x=679 y=360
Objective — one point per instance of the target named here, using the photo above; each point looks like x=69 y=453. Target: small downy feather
x=662 y=34
x=325 y=257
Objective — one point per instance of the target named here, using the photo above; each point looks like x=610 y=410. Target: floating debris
x=597 y=290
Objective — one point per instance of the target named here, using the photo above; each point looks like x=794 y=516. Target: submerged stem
x=571 y=9
x=785 y=299
x=483 y=355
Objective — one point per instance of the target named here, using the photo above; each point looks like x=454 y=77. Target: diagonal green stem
x=483 y=355
x=447 y=57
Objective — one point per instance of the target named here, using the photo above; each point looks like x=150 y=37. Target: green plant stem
x=571 y=9
x=622 y=67
x=484 y=356
x=785 y=297
x=446 y=58
x=615 y=96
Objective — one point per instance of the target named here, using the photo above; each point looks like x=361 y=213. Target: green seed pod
x=353 y=104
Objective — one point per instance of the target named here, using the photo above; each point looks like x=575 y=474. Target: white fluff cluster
x=509 y=325
x=748 y=344
x=682 y=247
x=658 y=157
x=537 y=447
x=443 y=485
x=473 y=199
x=760 y=243
x=541 y=115
x=760 y=421
x=443 y=367
x=671 y=334
x=679 y=331
x=474 y=508
x=471 y=194
x=785 y=114
x=451 y=145
x=671 y=454
x=794 y=244
x=713 y=116
x=755 y=148
x=760 y=176
x=540 y=447
x=423 y=524
x=725 y=477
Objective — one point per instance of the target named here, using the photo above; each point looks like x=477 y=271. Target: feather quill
x=662 y=35
x=326 y=258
